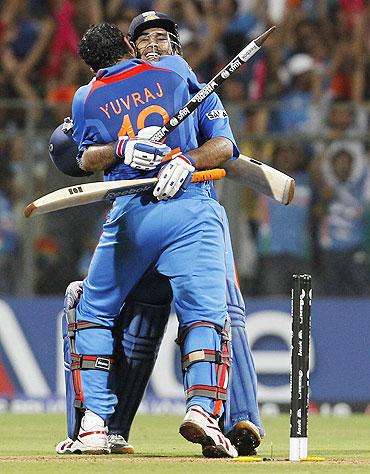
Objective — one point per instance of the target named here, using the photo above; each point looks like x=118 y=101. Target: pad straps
x=74 y=326
x=221 y=359
x=91 y=362
x=84 y=362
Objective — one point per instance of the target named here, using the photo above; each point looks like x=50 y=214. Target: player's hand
x=141 y=153
x=174 y=177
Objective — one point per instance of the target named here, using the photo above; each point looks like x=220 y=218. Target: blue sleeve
x=213 y=121
x=78 y=114
x=85 y=133
x=182 y=68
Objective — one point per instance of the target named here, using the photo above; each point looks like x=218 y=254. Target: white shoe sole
x=78 y=448
x=195 y=434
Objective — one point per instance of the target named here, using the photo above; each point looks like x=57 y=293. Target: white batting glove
x=141 y=153
x=147 y=132
x=174 y=177
x=73 y=294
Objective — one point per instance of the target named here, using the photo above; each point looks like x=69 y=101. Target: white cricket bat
x=99 y=191
x=261 y=178
x=102 y=190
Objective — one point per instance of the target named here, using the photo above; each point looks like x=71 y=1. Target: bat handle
x=29 y=210
x=208 y=175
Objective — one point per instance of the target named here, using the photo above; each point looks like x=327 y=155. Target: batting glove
x=140 y=153
x=174 y=177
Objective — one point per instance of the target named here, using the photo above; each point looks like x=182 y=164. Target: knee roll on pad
x=205 y=356
x=143 y=327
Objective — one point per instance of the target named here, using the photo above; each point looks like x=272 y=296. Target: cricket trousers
x=182 y=239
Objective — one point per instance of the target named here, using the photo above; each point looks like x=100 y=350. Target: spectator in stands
x=340 y=214
x=348 y=65
x=311 y=72
x=23 y=46
x=233 y=98
x=8 y=234
x=113 y=7
x=283 y=236
x=341 y=120
x=295 y=109
x=65 y=38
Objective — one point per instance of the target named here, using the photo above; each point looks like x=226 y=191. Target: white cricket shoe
x=245 y=436
x=118 y=445
x=65 y=447
x=92 y=437
x=199 y=427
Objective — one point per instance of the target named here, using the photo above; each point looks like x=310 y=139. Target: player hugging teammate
x=174 y=243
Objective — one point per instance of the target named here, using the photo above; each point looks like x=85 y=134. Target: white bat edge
x=79 y=194
x=262 y=178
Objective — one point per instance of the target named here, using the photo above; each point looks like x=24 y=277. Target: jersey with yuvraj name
x=129 y=96
x=183 y=238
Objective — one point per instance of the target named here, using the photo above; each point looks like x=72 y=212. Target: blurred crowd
x=300 y=104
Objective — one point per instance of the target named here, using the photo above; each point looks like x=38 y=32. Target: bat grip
x=198 y=176
x=171 y=154
x=208 y=175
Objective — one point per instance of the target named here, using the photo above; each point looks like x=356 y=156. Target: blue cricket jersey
x=134 y=94
x=181 y=238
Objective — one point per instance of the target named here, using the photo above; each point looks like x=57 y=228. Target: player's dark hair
x=102 y=46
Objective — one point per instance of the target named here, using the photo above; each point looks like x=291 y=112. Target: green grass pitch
x=27 y=445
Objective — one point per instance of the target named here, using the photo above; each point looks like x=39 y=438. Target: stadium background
x=299 y=102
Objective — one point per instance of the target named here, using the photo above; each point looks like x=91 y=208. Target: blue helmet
x=152 y=19
x=63 y=150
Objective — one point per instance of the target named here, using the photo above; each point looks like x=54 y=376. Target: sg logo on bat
x=75 y=190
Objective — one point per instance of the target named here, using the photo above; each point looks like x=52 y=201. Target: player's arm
x=217 y=147
x=139 y=153
x=215 y=133
x=213 y=154
x=98 y=157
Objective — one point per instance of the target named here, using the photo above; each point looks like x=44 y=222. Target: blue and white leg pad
x=242 y=402
x=205 y=357
x=74 y=363
x=142 y=330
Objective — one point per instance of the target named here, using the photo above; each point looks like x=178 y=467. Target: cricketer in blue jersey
x=243 y=396
x=147 y=311
x=182 y=238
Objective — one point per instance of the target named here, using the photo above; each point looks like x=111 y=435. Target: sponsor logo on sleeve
x=216 y=114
